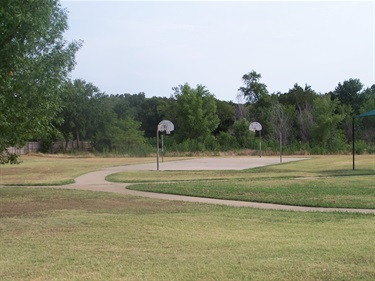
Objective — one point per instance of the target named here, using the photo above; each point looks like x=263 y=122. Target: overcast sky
x=152 y=46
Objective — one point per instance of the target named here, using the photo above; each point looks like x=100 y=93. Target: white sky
x=152 y=46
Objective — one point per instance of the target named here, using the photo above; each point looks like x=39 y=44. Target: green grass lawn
x=50 y=234
x=57 y=234
x=320 y=182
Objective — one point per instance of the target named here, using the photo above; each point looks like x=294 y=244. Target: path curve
x=95 y=181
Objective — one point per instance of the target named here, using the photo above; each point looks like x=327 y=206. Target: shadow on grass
x=346 y=173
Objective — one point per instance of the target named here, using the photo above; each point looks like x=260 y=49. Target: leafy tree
x=325 y=130
x=226 y=114
x=101 y=118
x=305 y=123
x=34 y=61
x=121 y=106
x=151 y=113
x=196 y=112
x=368 y=99
x=253 y=90
x=261 y=112
x=350 y=93
x=366 y=126
x=242 y=133
x=121 y=132
x=127 y=135
x=136 y=101
x=299 y=97
x=227 y=141
x=77 y=109
x=148 y=111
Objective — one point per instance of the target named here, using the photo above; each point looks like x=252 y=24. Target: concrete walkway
x=95 y=181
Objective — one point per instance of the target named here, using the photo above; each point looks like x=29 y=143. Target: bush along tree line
x=38 y=102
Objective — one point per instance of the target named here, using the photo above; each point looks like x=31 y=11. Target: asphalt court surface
x=214 y=163
x=95 y=181
x=196 y=164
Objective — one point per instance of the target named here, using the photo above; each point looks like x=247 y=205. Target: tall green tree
x=116 y=127
x=325 y=130
x=305 y=123
x=127 y=135
x=121 y=106
x=148 y=111
x=300 y=97
x=150 y=114
x=78 y=109
x=196 y=112
x=350 y=92
x=253 y=90
x=366 y=126
x=34 y=60
x=100 y=119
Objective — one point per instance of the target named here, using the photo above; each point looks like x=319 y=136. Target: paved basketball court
x=214 y=163
x=95 y=181
x=198 y=164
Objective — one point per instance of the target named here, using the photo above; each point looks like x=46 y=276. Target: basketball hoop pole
x=157 y=145
x=353 y=143
x=162 y=149
x=281 y=147
x=256 y=126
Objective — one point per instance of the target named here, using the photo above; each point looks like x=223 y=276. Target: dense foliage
x=301 y=119
x=39 y=103
x=34 y=60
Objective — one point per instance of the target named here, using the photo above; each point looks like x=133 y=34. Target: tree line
x=39 y=102
x=303 y=120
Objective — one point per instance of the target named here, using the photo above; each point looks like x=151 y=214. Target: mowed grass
x=48 y=234
x=323 y=181
x=41 y=169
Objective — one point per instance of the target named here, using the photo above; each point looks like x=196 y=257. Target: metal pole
x=157 y=145
x=281 y=147
x=353 y=141
x=162 y=149
x=260 y=143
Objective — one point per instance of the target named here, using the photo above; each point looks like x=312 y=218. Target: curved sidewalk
x=95 y=181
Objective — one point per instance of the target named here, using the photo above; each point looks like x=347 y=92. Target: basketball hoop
x=168 y=127
x=256 y=126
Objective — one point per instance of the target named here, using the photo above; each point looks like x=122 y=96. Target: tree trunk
x=77 y=138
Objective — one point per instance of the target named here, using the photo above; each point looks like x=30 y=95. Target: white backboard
x=255 y=126
x=166 y=126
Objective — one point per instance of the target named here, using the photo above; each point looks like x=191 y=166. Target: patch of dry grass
x=58 y=169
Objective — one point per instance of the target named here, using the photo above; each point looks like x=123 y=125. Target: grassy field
x=74 y=235
x=320 y=182
x=49 y=234
x=39 y=169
